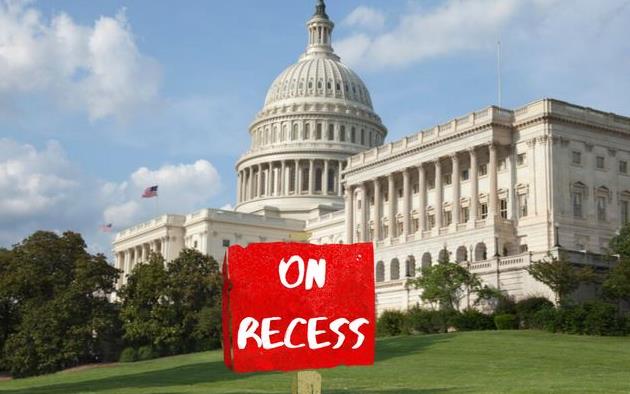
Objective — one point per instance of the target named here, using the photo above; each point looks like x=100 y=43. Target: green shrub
x=506 y=321
x=128 y=355
x=391 y=323
x=526 y=310
x=418 y=320
x=601 y=319
x=547 y=318
x=147 y=353
x=472 y=320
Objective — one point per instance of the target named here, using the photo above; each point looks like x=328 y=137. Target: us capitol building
x=494 y=189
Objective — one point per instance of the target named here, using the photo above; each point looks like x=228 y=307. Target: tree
x=54 y=295
x=620 y=244
x=173 y=309
x=560 y=275
x=145 y=311
x=445 y=283
x=616 y=286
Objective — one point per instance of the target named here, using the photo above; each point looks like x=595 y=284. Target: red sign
x=289 y=306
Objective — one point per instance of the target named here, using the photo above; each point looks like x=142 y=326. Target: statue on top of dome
x=320 y=9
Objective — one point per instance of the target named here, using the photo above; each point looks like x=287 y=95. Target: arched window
x=353 y=135
x=426 y=260
x=342 y=134
x=304 y=179
x=461 y=254
x=307 y=132
x=331 y=132
x=362 y=136
x=410 y=267
x=480 y=252
x=394 y=269
x=294 y=133
x=318 y=133
x=380 y=271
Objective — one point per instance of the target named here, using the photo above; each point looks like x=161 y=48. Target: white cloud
x=182 y=188
x=455 y=26
x=365 y=17
x=41 y=189
x=33 y=182
x=97 y=68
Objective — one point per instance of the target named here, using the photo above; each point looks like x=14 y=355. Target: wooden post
x=307 y=382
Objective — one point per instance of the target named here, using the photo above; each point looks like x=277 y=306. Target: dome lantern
x=320 y=29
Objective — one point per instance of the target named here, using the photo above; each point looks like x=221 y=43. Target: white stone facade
x=494 y=190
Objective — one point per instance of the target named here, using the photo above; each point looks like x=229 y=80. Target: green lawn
x=502 y=361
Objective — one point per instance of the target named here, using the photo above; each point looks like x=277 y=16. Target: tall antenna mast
x=499 y=88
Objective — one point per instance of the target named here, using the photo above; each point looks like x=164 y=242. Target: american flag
x=106 y=228
x=150 y=192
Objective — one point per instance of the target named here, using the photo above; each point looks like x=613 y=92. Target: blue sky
x=100 y=99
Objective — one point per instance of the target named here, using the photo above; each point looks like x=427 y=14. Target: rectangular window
x=400 y=227
x=465 y=214
x=431 y=221
x=576 y=158
x=601 y=208
x=624 y=211
x=226 y=243
x=577 y=204
x=522 y=205
x=318 y=132
x=331 y=132
x=600 y=162
x=448 y=218
x=342 y=134
x=484 y=210
x=448 y=179
x=465 y=174
x=521 y=159
x=623 y=166
x=416 y=187
x=502 y=165
x=416 y=225
x=503 y=208
x=385 y=231
x=483 y=170
x=431 y=184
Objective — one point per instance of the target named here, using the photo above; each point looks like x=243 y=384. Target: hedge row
x=591 y=318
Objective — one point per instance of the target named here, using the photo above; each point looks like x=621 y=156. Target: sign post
x=296 y=307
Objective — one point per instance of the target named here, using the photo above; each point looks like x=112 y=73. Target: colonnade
x=127 y=259
x=389 y=221
x=283 y=178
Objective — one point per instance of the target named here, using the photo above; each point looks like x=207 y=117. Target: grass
x=490 y=361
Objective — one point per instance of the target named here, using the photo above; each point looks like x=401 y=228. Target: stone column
x=456 y=189
x=377 y=210
x=239 y=183
x=339 y=185
x=422 y=202
x=392 y=207
x=284 y=190
x=405 y=208
x=349 y=214
x=259 y=186
x=438 y=194
x=250 y=191
x=492 y=169
x=474 y=185
x=363 y=214
x=325 y=179
x=311 y=176
x=296 y=175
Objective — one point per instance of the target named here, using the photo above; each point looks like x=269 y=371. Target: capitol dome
x=318 y=77
x=317 y=113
